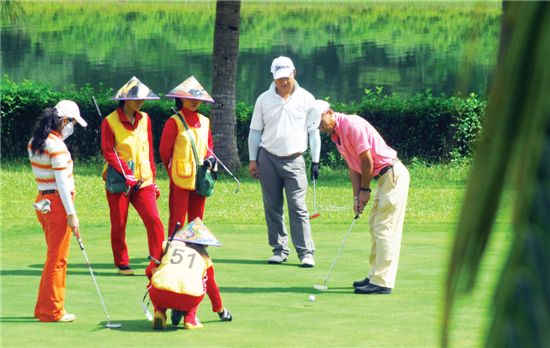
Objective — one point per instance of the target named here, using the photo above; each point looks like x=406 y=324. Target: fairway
x=269 y=303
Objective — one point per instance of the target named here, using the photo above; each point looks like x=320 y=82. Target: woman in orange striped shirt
x=53 y=171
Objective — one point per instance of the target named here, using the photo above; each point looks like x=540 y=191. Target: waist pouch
x=114 y=181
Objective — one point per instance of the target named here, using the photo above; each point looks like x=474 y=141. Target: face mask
x=67 y=130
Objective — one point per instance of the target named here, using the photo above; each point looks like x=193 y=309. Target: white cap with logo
x=69 y=109
x=282 y=67
x=318 y=108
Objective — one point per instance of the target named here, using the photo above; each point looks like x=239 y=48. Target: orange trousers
x=51 y=292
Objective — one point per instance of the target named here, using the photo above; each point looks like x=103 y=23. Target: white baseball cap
x=282 y=67
x=318 y=108
x=69 y=109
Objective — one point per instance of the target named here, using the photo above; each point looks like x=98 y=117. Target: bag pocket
x=184 y=169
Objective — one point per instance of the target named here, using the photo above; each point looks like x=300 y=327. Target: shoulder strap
x=182 y=119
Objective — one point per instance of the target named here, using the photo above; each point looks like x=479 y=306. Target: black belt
x=292 y=156
x=382 y=172
x=47 y=192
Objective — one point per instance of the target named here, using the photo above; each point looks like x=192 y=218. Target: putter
x=324 y=286
x=315 y=213
x=220 y=162
x=145 y=307
x=109 y=325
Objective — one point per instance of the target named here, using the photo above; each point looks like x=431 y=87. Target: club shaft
x=93 y=278
x=226 y=169
x=97 y=108
x=340 y=250
x=314 y=196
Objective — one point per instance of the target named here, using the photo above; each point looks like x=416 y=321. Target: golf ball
x=311 y=298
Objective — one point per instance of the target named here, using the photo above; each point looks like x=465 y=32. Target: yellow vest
x=182 y=270
x=183 y=168
x=132 y=145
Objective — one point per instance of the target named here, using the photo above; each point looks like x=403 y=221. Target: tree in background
x=515 y=149
x=11 y=10
x=224 y=81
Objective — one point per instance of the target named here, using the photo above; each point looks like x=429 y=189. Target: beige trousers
x=386 y=225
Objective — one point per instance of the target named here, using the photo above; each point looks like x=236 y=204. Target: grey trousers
x=276 y=174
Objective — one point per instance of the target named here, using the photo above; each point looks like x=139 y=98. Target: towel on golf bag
x=182 y=270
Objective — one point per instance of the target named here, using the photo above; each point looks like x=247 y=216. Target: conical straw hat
x=190 y=89
x=196 y=232
x=135 y=90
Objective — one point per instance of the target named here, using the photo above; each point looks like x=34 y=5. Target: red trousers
x=184 y=203
x=144 y=201
x=51 y=292
x=163 y=299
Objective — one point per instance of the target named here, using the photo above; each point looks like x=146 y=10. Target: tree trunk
x=224 y=82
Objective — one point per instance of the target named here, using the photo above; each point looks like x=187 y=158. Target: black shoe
x=370 y=289
x=125 y=271
x=176 y=316
x=362 y=282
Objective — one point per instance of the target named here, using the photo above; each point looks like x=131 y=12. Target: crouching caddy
x=370 y=158
x=184 y=275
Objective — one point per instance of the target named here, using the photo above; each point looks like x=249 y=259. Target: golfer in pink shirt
x=370 y=158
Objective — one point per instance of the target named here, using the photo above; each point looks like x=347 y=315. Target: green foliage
x=424 y=127
x=514 y=151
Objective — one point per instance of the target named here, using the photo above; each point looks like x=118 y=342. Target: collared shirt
x=53 y=169
x=282 y=122
x=353 y=135
x=56 y=157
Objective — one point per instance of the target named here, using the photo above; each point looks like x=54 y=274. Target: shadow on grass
x=22 y=319
x=38 y=272
x=143 y=325
x=292 y=289
x=251 y=262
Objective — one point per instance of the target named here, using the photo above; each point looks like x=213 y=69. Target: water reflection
x=338 y=58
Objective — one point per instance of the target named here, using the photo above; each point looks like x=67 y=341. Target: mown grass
x=269 y=303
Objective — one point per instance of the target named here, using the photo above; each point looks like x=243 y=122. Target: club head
x=314 y=216
x=147 y=312
x=320 y=287
x=113 y=326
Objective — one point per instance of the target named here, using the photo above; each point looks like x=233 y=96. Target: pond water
x=339 y=48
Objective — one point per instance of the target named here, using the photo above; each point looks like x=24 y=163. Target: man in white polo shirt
x=278 y=137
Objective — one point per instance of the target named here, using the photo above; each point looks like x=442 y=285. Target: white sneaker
x=308 y=261
x=67 y=318
x=277 y=259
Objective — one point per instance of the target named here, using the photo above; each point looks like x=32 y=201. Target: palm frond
x=518 y=115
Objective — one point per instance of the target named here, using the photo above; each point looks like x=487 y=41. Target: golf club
x=227 y=170
x=324 y=286
x=315 y=213
x=145 y=307
x=220 y=162
x=109 y=324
